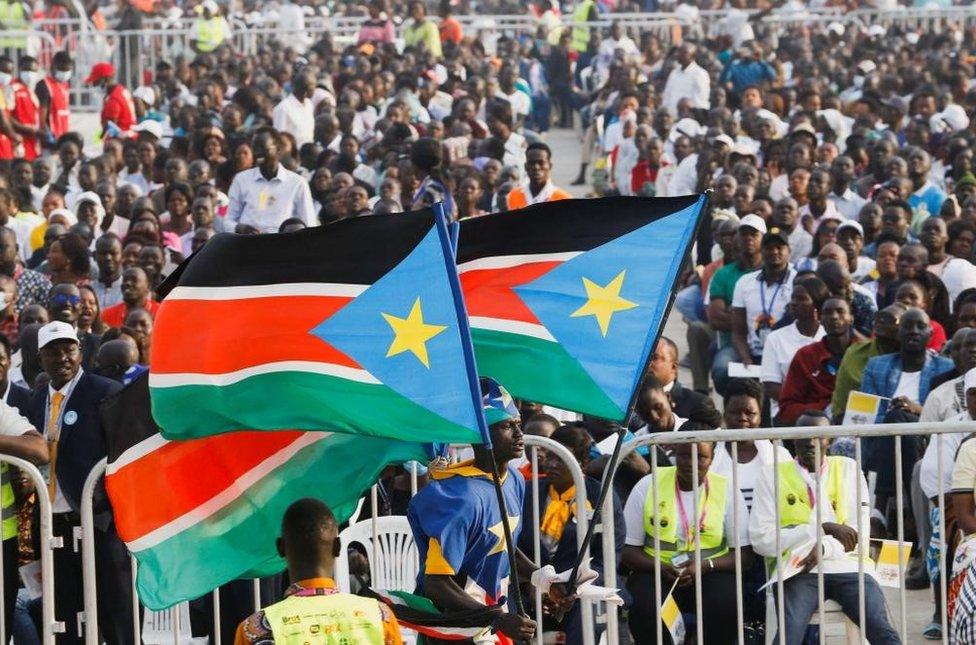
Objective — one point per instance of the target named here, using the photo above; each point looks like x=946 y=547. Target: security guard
x=675 y=522
x=313 y=611
x=583 y=41
x=211 y=29
x=838 y=550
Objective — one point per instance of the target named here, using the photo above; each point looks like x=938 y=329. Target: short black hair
x=743 y=387
x=305 y=521
x=538 y=145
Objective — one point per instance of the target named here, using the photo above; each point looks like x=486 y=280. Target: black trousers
x=718 y=606
x=11 y=583
x=879 y=455
x=113 y=577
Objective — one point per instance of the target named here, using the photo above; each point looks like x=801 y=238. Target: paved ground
x=565 y=145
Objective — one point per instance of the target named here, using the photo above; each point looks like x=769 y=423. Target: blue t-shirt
x=458 y=528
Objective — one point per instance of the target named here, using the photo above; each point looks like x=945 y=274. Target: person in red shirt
x=450 y=28
x=10 y=142
x=118 y=110
x=53 y=93
x=135 y=295
x=643 y=177
x=809 y=382
x=25 y=113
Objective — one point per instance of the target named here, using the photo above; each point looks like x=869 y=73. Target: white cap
x=723 y=138
x=210 y=5
x=145 y=94
x=836 y=27
x=688 y=127
x=969 y=380
x=851 y=223
x=55 y=330
x=951 y=119
x=877 y=31
x=753 y=221
x=151 y=126
x=866 y=66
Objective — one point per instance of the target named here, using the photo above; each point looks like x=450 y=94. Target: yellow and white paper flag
x=864 y=408
x=886 y=567
x=671 y=615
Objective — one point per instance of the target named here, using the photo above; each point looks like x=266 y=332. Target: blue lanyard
x=762 y=296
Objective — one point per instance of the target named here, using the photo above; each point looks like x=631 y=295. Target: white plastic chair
x=159 y=626
x=394 y=563
x=833 y=615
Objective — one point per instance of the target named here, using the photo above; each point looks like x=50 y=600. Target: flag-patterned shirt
x=458 y=528
x=255 y=629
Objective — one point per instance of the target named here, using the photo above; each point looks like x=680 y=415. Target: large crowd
x=835 y=259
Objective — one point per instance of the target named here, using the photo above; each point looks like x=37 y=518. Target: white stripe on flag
x=136 y=452
x=230 y=378
x=512 y=327
x=323 y=289
x=226 y=496
x=509 y=261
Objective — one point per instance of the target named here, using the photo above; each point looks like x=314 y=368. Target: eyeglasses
x=62 y=299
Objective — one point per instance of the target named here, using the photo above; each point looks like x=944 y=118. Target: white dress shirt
x=296 y=118
x=763 y=525
x=265 y=204
x=692 y=82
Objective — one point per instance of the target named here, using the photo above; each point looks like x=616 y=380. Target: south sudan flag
x=199 y=513
x=566 y=298
x=358 y=327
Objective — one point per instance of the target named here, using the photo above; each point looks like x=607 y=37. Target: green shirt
x=426 y=34
x=722 y=286
x=849 y=373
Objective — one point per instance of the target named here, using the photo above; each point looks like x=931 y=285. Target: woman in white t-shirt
x=808 y=295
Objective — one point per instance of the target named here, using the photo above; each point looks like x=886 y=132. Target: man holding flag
x=457 y=526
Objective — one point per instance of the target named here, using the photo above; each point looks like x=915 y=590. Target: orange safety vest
x=519 y=197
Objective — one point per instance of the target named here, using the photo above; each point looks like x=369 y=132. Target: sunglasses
x=62 y=299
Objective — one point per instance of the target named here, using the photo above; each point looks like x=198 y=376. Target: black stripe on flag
x=354 y=251
x=562 y=226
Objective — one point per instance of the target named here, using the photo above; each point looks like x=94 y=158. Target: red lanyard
x=684 y=516
x=810 y=495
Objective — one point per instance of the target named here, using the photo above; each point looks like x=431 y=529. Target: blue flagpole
x=464 y=329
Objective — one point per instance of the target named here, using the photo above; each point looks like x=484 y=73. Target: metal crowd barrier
x=535 y=444
x=896 y=430
x=49 y=624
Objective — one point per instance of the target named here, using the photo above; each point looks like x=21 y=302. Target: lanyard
x=767 y=312
x=810 y=495
x=686 y=528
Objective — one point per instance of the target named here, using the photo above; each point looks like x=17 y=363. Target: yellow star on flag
x=412 y=333
x=498 y=530
x=604 y=302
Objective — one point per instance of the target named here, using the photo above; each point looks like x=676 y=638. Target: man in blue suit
x=67 y=411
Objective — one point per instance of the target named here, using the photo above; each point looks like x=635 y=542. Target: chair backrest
x=159 y=626
x=396 y=562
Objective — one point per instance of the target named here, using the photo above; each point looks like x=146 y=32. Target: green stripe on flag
x=238 y=541
x=540 y=371
x=299 y=401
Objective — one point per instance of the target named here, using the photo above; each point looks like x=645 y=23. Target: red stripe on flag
x=488 y=292
x=181 y=475
x=220 y=336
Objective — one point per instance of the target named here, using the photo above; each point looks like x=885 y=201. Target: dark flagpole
x=611 y=467
x=449 y=240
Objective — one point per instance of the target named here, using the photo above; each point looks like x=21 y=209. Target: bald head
x=832 y=251
x=115 y=357
x=836 y=276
